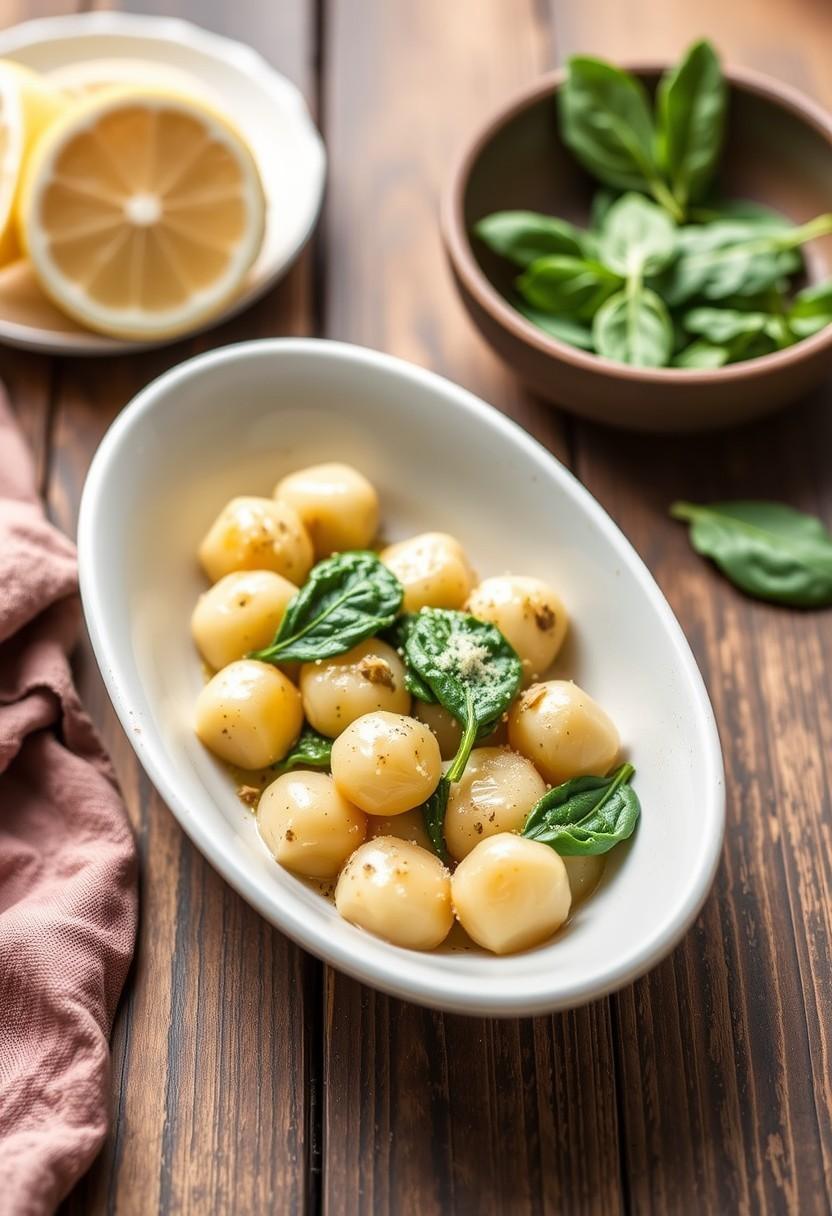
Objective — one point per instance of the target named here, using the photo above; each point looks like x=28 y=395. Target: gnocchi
x=386 y=763
x=336 y=504
x=257 y=534
x=529 y=615
x=238 y=614
x=249 y=714
x=309 y=825
x=562 y=731
x=336 y=691
x=433 y=570
x=398 y=891
x=409 y=754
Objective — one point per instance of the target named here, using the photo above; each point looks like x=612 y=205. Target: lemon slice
x=28 y=104
x=141 y=211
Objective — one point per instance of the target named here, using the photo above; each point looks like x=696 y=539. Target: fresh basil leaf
x=458 y=656
x=811 y=310
x=563 y=328
x=311 y=751
x=690 y=105
x=746 y=211
x=605 y=120
x=637 y=237
x=347 y=598
x=587 y=815
x=634 y=327
x=768 y=550
x=702 y=355
x=569 y=287
x=602 y=200
x=722 y=325
x=525 y=236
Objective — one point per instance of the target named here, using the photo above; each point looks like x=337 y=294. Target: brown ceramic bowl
x=778 y=151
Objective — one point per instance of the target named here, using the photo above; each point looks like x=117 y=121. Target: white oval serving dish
x=268 y=109
x=233 y=421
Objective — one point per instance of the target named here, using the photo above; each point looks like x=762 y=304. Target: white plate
x=267 y=108
x=442 y=460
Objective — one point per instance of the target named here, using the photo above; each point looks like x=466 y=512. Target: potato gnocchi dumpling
x=309 y=825
x=238 y=614
x=257 y=534
x=398 y=891
x=529 y=615
x=563 y=731
x=494 y=794
x=433 y=570
x=336 y=691
x=386 y=763
x=249 y=714
x=336 y=504
x=510 y=893
x=414 y=750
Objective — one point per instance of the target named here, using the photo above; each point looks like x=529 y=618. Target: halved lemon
x=141 y=211
x=28 y=104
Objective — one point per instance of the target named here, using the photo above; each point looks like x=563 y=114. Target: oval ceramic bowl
x=235 y=420
x=268 y=109
x=778 y=151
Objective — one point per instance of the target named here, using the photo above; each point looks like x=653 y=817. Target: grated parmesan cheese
x=466 y=656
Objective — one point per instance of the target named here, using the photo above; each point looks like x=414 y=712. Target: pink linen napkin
x=68 y=900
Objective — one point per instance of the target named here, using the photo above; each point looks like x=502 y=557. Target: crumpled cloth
x=68 y=881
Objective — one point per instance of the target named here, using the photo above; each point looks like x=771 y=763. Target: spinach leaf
x=525 y=236
x=637 y=237
x=474 y=673
x=571 y=287
x=347 y=598
x=811 y=310
x=702 y=355
x=457 y=655
x=605 y=120
x=634 y=327
x=311 y=751
x=574 y=333
x=397 y=636
x=768 y=550
x=587 y=815
x=746 y=211
x=690 y=104
x=602 y=200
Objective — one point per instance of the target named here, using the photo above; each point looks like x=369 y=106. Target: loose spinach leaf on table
x=474 y=673
x=634 y=327
x=574 y=333
x=606 y=121
x=571 y=287
x=312 y=750
x=525 y=236
x=347 y=598
x=811 y=310
x=690 y=105
x=586 y=815
x=636 y=237
x=767 y=549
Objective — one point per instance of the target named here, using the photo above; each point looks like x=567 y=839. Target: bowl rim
x=393 y=975
x=460 y=251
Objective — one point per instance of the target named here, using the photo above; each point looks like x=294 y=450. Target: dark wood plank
x=214 y=1042
x=724 y=1049
x=427 y=1113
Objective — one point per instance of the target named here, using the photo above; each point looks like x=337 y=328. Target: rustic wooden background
x=248 y=1078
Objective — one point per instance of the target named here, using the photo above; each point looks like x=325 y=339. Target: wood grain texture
x=725 y=1049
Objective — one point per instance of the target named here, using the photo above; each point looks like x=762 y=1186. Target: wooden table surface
x=249 y=1078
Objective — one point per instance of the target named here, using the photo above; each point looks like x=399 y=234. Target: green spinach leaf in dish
x=569 y=287
x=690 y=103
x=586 y=816
x=312 y=750
x=634 y=327
x=524 y=236
x=347 y=598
